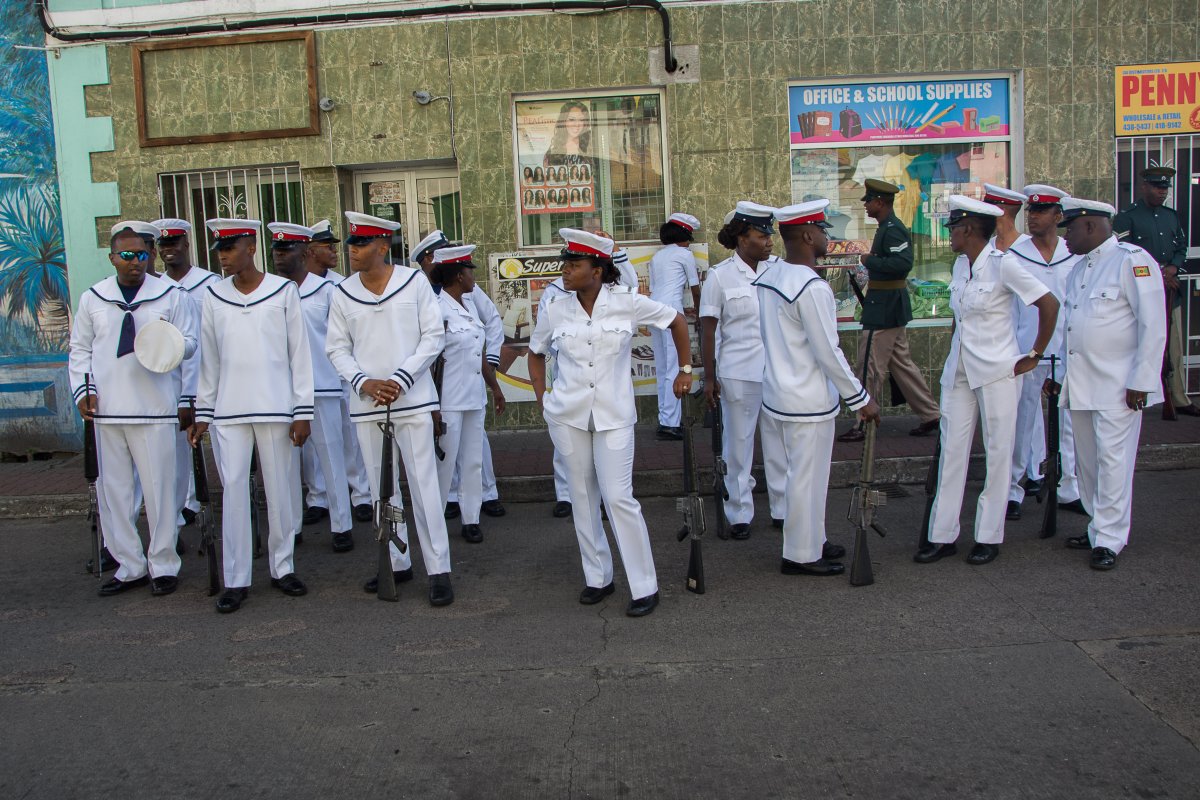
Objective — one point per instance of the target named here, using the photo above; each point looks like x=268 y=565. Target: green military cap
x=878 y=188
x=1158 y=176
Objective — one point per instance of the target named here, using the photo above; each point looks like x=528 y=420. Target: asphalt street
x=1031 y=677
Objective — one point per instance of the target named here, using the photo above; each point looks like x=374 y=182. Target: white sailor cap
x=808 y=213
x=142 y=229
x=172 y=228
x=286 y=234
x=755 y=215
x=455 y=255
x=1075 y=207
x=323 y=232
x=1041 y=194
x=364 y=228
x=434 y=240
x=581 y=244
x=998 y=195
x=158 y=346
x=685 y=221
x=728 y=218
x=962 y=207
x=226 y=231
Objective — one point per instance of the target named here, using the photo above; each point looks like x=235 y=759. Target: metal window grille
x=267 y=193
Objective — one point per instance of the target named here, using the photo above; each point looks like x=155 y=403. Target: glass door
x=420 y=200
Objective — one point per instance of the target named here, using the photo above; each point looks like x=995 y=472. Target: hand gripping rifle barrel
x=1053 y=471
x=692 y=507
x=208 y=532
x=387 y=516
x=91 y=471
x=863 y=504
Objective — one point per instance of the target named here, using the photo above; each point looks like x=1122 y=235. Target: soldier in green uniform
x=887 y=311
x=1155 y=228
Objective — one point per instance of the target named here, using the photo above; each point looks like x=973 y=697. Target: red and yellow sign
x=1158 y=99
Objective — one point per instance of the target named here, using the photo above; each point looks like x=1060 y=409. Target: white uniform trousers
x=490 y=492
x=599 y=467
x=185 y=481
x=1106 y=445
x=352 y=461
x=1029 y=449
x=279 y=467
x=326 y=442
x=414 y=443
x=995 y=404
x=741 y=405
x=807 y=451
x=561 y=491
x=666 y=367
x=150 y=449
x=463 y=443
x=356 y=469
x=135 y=505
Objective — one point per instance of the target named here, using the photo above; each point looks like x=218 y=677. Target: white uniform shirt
x=594 y=377
x=556 y=289
x=333 y=276
x=487 y=313
x=127 y=391
x=1054 y=275
x=805 y=372
x=466 y=338
x=671 y=270
x=394 y=336
x=193 y=284
x=315 y=295
x=729 y=297
x=1116 y=328
x=255 y=365
x=981 y=298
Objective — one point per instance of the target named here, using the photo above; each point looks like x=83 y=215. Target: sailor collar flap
x=789 y=281
x=388 y=295
x=218 y=290
x=138 y=300
x=1037 y=259
x=313 y=284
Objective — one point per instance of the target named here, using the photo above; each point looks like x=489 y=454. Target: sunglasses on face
x=133 y=255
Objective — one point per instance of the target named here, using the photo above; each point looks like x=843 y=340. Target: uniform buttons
x=589 y=323
x=591 y=386
x=590 y=364
x=589 y=341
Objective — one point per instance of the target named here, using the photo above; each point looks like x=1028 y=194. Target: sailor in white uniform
x=289 y=254
x=385 y=331
x=805 y=380
x=732 y=353
x=1009 y=201
x=256 y=391
x=322 y=262
x=1116 y=330
x=175 y=250
x=590 y=410
x=465 y=373
x=1045 y=255
x=672 y=269
x=135 y=408
x=979 y=379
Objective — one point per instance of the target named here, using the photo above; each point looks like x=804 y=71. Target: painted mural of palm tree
x=33 y=264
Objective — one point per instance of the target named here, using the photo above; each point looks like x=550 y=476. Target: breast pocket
x=566 y=340
x=615 y=336
x=741 y=303
x=1106 y=301
x=977 y=296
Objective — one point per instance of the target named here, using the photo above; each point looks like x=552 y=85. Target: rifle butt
x=695 y=573
x=210 y=552
x=861 y=573
x=386 y=589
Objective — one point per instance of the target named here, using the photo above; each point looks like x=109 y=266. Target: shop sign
x=1158 y=99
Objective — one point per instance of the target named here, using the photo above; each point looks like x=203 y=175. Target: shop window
x=589 y=161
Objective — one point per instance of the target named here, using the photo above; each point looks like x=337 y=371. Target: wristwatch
x=1034 y=354
x=686 y=369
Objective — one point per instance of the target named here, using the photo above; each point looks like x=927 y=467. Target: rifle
x=692 y=507
x=439 y=427
x=1168 y=409
x=720 y=468
x=863 y=503
x=208 y=534
x=255 y=525
x=1053 y=476
x=387 y=516
x=931 y=482
x=91 y=471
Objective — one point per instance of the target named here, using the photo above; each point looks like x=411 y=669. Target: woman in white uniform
x=463 y=397
x=672 y=270
x=979 y=379
x=591 y=411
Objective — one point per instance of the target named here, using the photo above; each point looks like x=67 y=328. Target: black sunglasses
x=133 y=255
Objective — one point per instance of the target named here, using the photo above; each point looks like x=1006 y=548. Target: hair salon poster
x=863 y=112
x=516 y=282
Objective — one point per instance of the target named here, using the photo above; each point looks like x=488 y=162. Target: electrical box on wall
x=687 y=56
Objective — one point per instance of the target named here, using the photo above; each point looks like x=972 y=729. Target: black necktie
x=125 y=343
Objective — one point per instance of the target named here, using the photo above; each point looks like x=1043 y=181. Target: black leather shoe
x=493 y=508
x=1189 y=410
x=668 y=433
x=1075 y=507
x=343 y=541
x=290 y=585
x=164 y=585
x=1079 y=542
x=832 y=551
x=400 y=576
x=739 y=531
x=819 y=567
x=1013 y=511
x=642 y=606
x=472 y=534
x=231 y=600
x=180 y=545
x=115 y=586
x=298 y=539
x=935 y=552
x=189 y=516
x=441 y=593
x=983 y=553
x=107 y=562
x=363 y=512
x=592 y=595
x=561 y=509
x=776 y=522
x=1103 y=558
x=855 y=434
x=452 y=511
x=926 y=428
x=1032 y=487
x=314 y=514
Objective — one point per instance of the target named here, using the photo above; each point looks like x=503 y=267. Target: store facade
x=501 y=128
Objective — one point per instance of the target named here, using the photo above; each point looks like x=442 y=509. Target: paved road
x=1031 y=677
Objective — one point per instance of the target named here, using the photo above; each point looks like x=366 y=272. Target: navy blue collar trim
x=212 y=290
x=811 y=281
x=320 y=286
x=1038 y=261
x=342 y=288
x=121 y=304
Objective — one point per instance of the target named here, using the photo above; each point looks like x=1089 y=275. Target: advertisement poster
x=1158 y=99
x=832 y=114
x=516 y=282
